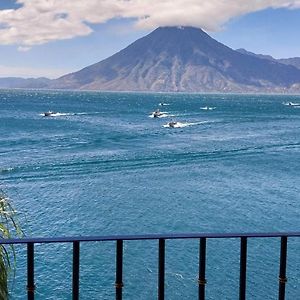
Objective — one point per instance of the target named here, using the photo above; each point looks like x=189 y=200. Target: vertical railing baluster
x=30 y=271
x=76 y=262
x=202 y=263
x=119 y=269
x=243 y=268
x=161 y=270
x=282 y=270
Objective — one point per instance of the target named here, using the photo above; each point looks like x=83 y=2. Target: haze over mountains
x=184 y=59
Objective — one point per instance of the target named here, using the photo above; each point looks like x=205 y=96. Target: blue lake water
x=103 y=166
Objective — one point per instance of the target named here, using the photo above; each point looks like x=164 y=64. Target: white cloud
x=26 y=72
x=41 y=21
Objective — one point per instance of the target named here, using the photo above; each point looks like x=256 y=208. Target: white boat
x=172 y=124
x=157 y=114
x=49 y=113
x=291 y=103
x=207 y=108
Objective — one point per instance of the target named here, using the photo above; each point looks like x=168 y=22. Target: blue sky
x=68 y=41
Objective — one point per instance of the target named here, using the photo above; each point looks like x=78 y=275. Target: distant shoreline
x=150 y=92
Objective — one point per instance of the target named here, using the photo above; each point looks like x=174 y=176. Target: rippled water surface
x=102 y=165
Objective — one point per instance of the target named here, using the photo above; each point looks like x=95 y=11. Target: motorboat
x=172 y=124
x=207 y=108
x=157 y=114
x=293 y=104
x=49 y=113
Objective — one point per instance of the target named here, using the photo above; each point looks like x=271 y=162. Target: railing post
x=161 y=270
x=202 y=263
x=119 y=269
x=282 y=270
x=243 y=268
x=75 y=284
x=30 y=271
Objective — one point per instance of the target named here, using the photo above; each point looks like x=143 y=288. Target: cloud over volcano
x=40 y=21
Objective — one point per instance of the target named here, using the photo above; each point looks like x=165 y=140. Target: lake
x=103 y=165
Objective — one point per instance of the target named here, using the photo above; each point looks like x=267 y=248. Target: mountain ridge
x=293 y=61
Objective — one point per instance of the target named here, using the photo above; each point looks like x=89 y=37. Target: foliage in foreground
x=8 y=228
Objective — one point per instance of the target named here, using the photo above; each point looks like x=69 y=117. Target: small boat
x=293 y=104
x=49 y=113
x=157 y=113
x=207 y=108
x=163 y=104
x=172 y=124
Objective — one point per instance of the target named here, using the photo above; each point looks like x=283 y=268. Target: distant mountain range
x=294 y=61
x=17 y=82
x=180 y=59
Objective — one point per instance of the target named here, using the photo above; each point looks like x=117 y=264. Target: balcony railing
x=161 y=238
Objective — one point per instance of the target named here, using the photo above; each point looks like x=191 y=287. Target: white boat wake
x=61 y=114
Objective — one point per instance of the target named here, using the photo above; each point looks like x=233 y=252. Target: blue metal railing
x=161 y=258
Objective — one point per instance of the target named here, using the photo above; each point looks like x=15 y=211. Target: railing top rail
x=44 y=240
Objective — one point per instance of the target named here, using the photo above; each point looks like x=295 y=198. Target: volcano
x=182 y=59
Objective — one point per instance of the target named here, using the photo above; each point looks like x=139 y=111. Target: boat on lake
x=163 y=104
x=172 y=124
x=293 y=104
x=207 y=108
x=49 y=113
x=157 y=114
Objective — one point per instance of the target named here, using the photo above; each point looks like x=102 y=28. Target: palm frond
x=9 y=227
